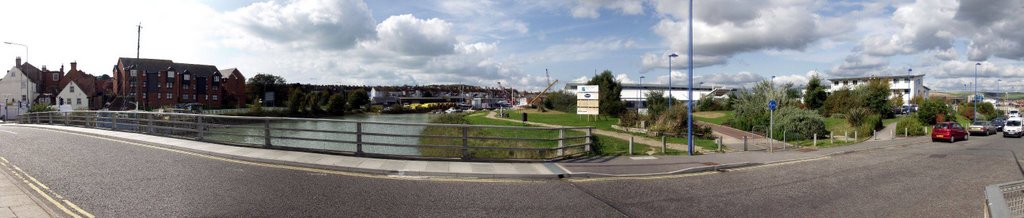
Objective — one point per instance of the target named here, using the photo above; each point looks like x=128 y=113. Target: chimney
x=74 y=66
x=17 y=62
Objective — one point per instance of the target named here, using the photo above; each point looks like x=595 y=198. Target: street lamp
x=639 y=95
x=998 y=90
x=689 y=73
x=670 y=78
x=22 y=45
x=976 y=65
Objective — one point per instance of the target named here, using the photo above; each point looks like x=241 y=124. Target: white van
x=1013 y=127
x=1013 y=113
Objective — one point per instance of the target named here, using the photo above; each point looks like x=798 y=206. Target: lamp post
x=670 y=100
x=998 y=90
x=640 y=95
x=910 y=84
x=976 y=65
x=689 y=73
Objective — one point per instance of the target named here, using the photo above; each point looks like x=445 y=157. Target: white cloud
x=311 y=24
x=859 y=65
x=591 y=8
x=409 y=35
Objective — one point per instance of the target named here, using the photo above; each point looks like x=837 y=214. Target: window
x=144 y=95
x=193 y=97
x=72 y=89
x=158 y=96
x=907 y=91
x=184 y=96
x=170 y=96
x=135 y=73
x=216 y=79
x=206 y=97
x=214 y=97
x=185 y=76
x=79 y=101
x=836 y=83
x=56 y=77
x=170 y=74
x=170 y=85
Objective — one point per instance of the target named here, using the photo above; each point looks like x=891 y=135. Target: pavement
x=16 y=198
x=110 y=177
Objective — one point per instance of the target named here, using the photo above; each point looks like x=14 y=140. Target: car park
x=984 y=128
x=1013 y=127
x=949 y=131
x=999 y=122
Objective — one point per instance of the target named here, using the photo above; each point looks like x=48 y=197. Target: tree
x=656 y=104
x=358 y=99
x=336 y=104
x=751 y=106
x=876 y=97
x=840 y=102
x=815 y=95
x=561 y=101
x=295 y=101
x=313 y=104
x=609 y=91
x=929 y=111
x=261 y=83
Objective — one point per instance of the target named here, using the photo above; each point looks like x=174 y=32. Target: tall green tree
x=815 y=94
x=295 y=101
x=876 y=97
x=336 y=104
x=611 y=103
x=656 y=104
x=358 y=99
x=561 y=101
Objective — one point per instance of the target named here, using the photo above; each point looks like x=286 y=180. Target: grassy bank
x=602 y=145
x=716 y=117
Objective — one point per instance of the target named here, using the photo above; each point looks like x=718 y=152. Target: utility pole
x=138 y=41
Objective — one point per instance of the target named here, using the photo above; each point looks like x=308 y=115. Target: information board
x=587 y=100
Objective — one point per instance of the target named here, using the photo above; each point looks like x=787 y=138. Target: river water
x=256 y=131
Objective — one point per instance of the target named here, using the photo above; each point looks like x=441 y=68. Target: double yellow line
x=45 y=191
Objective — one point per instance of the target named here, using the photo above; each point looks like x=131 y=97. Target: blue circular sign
x=771 y=105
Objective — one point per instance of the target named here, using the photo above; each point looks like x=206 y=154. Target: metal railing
x=1005 y=200
x=358 y=138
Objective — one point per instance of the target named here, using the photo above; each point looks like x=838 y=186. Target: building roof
x=33 y=73
x=144 y=65
x=85 y=82
x=874 y=77
x=197 y=70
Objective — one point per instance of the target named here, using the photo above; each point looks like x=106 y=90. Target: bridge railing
x=1005 y=200
x=357 y=138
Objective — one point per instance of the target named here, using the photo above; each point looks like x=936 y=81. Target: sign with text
x=587 y=100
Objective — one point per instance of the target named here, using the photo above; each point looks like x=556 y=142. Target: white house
x=73 y=95
x=19 y=85
x=909 y=85
x=633 y=93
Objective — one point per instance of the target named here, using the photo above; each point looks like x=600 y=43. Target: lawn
x=716 y=117
x=603 y=145
x=605 y=123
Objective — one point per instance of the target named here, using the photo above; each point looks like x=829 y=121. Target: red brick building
x=156 y=83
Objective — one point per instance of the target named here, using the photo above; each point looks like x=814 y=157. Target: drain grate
x=937 y=156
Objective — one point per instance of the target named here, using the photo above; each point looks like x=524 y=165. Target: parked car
x=1013 y=128
x=949 y=131
x=999 y=122
x=982 y=128
x=1013 y=113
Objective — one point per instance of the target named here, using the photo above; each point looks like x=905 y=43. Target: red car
x=949 y=131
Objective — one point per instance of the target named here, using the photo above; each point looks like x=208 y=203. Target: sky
x=483 y=42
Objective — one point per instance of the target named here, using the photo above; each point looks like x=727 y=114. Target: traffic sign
x=771 y=105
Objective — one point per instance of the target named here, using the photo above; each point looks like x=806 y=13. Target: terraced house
x=157 y=83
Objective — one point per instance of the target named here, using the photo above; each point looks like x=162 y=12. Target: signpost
x=771 y=124
x=587 y=101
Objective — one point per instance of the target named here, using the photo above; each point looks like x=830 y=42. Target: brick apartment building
x=156 y=83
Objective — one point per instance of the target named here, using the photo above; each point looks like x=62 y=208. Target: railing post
x=113 y=121
x=846 y=136
x=200 y=127
x=719 y=144
x=149 y=119
x=66 y=115
x=906 y=132
x=266 y=133
x=630 y=145
x=561 y=142
x=359 y=139
x=590 y=141
x=815 y=142
x=465 y=143
x=664 y=145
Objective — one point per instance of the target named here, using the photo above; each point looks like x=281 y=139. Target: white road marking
x=8 y=132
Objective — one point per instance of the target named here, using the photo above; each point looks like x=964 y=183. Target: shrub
x=561 y=101
x=313 y=104
x=840 y=101
x=912 y=125
x=929 y=110
x=629 y=119
x=336 y=104
x=750 y=107
x=295 y=101
x=869 y=125
x=39 y=108
x=671 y=122
x=799 y=124
x=856 y=116
x=656 y=105
x=358 y=99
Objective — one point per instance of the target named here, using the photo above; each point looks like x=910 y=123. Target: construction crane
x=508 y=94
x=534 y=100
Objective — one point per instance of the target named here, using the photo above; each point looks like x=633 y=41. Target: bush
x=673 y=122
x=799 y=124
x=295 y=101
x=856 y=116
x=336 y=104
x=750 y=107
x=358 y=99
x=629 y=119
x=912 y=125
x=561 y=101
x=39 y=108
x=656 y=105
x=929 y=111
x=709 y=103
x=869 y=125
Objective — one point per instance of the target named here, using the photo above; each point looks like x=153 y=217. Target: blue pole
x=976 y=92
x=670 y=100
x=689 y=73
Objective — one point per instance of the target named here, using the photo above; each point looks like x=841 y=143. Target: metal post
x=465 y=143
x=906 y=132
x=113 y=121
x=66 y=115
x=149 y=118
x=200 y=128
x=719 y=144
x=561 y=142
x=266 y=133
x=815 y=142
x=630 y=145
x=846 y=136
x=831 y=138
x=359 y=139
x=893 y=135
x=771 y=128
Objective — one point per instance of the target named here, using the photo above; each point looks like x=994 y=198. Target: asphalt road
x=115 y=179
